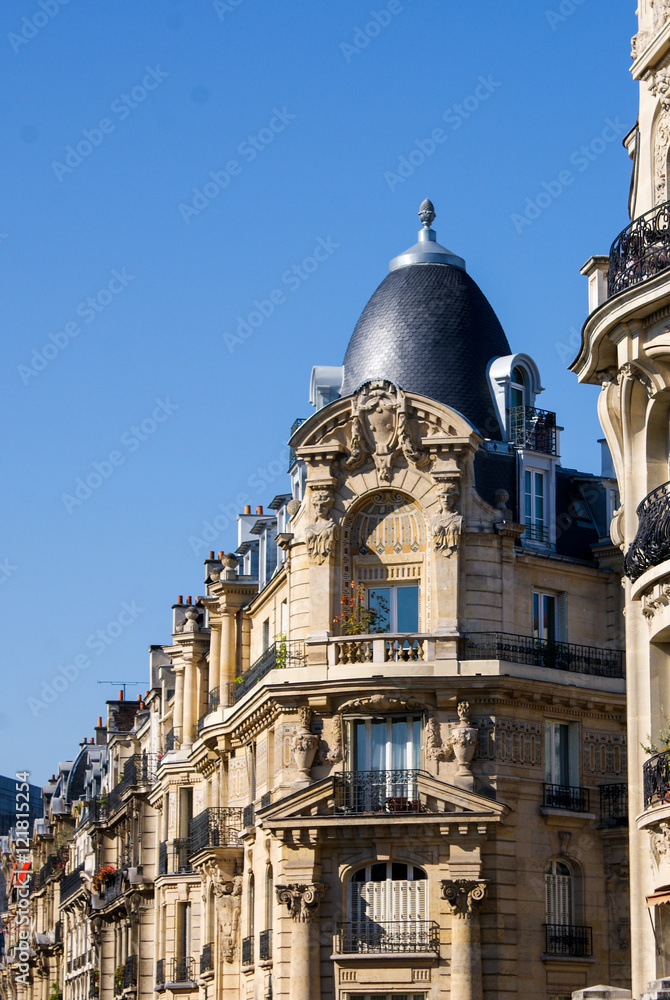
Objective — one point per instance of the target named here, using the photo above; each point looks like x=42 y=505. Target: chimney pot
x=211 y=555
x=259 y=511
x=188 y=599
x=247 y=508
x=220 y=556
x=121 y=695
x=180 y=599
x=99 y=722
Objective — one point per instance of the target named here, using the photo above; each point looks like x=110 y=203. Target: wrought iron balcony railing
x=292 y=454
x=173 y=857
x=565 y=939
x=118 y=981
x=175 y=970
x=212 y=704
x=614 y=804
x=536 y=533
x=656 y=779
x=206 y=958
x=215 y=827
x=651 y=545
x=542 y=653
x=566 y=797
x=248 y=816
x=160 y=972
x=130 y=971
x=265 y=946
x=533 y=429
x=70 y=883
x=248 y=950
x=140 y=769
x=114 y=887
x=280 y=654
x=377 y=791
x=53 y=867
x=364 y=937
x=173 y=739
x=641 y=250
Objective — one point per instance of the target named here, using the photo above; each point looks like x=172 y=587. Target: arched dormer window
x=517 y=387
x=387 y=908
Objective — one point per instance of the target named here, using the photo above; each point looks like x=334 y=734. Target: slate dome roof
x=430 y=329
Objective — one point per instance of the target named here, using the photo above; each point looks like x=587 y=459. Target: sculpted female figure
x=448 y=523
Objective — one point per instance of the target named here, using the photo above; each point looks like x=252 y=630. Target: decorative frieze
x=604 y=753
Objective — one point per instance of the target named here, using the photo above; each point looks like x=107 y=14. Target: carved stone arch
x=385 y=539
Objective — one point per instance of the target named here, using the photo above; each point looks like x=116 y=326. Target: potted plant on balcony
x=356 y=617
x=101 y=877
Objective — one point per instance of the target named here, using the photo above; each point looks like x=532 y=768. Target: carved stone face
x=448 y=499
x=322 y=501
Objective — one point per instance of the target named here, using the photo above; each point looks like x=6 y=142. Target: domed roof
x=430 y=329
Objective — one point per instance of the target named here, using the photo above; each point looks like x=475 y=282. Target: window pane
x=561 y=754
x=528 y=497
x=378 y=747
x=415 y=762
x=536 y=616
x=399 y=743
x=549 y=609
x=398 y=871
x=381 y=594
x=360 y=755
x=378 y=872
x=408 y=609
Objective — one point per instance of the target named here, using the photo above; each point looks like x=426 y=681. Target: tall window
x=560 y=894
x=517 y=388
x=397 y=607
x=387 y=744
x=561 y=752
x=388 y=891
x=184 y=930
x=550 y=616
x=269 y=897
x=251 y=905
x=535 y=505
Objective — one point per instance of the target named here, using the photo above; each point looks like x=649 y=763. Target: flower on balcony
x=662 y=741
x=356 y=617
x=102 y=876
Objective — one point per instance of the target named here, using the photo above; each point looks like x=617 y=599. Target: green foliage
x=662 y=741
x=56 y=992
x=356 y=617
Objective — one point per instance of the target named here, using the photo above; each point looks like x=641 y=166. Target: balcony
x=567 y=940
x=173 y=739
x=377 y=792
x=213 y=703
x=53 y=867
x=130 y=972
x=248 y=950
x=543 y=653
x=112 y=888
x=656 y=779
x=614 y=804
x=140 y=769
x=70 y=883
x=206 y=959
x=265 y=946
x=396 y=937
x=215 y=827
x=651 y=545
x=248 y=816
x=533 y=429
x=173 y=857
x=278 y=655
x=641 y=250
x=569 y=797
x=383 y=648
x=175 y=972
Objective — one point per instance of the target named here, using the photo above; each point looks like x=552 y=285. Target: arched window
x=560 y=894
x=387 y=908
x=517 y=387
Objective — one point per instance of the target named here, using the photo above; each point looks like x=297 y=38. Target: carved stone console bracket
x=464 y=895
x=303 y=900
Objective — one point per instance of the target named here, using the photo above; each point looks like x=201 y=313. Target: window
x=398 y=607
x=266 y=634
x=534 y=506
x=560 y=894
x=251 y=905
x=517 y=388
x=388 y=891
x=390 y=996
x=269 y=897
x=387 y=744
x=183 y=930
x=549 y=616
x=561 y=753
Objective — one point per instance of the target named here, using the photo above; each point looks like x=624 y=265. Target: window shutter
x=562 y=624
x=548 y=752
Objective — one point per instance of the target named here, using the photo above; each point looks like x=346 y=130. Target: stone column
x=214 y=655
x=228 y=664
x=303 y=901
x=190 y=686
x=178 y=711
x=464 y=897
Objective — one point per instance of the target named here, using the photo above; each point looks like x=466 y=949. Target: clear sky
x=170 y=165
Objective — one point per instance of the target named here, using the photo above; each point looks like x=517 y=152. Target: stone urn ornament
x=304 y=746
x=463 y=741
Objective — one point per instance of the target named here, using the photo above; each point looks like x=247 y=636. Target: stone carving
x=435 y=749
x=227 y=903
x=464 y=895
x=132 y=905
x=321 y=535
x=661 y=143
x=659 y=85
x=292 y=508
x=446 y=526
x=631 y=371
x=381 y=428
x=463 y=740
x=501 y=497
x=302 y=900
x=304 y=743
x=381 y=703
x=335 y=753
x=605 y=753
x=659 y=843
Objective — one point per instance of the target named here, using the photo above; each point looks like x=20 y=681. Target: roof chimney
x=121 y=695
x=259 y=511
x=247 y=508
x=180 y=599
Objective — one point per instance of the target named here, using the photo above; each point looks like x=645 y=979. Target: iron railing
x=162 y=858
x=140 y=769
x=377 y=791
x=53 y=866
x=641 y=250
x=536 y=533
x=656 y=779
x=248 y=816
x=565 y=939
x=533 y=429
x=566 y=797
x=118 y=981
x=214 y=699
x=651 y=545
x=369 y=936
x=614 y=804
x=173 y=857
x=542 y=653
x=70 y=883
x=292 y=454
x=175 y=970
x=173 y=739
x=130 y=971
x=248 y=950
x=266 y=800
x=206 y=958
x=265 y=946
x=160 y=972
x=215 y=827
x=279 y=654
x=112 y=888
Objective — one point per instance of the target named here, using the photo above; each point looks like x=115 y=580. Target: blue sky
x=168 y=166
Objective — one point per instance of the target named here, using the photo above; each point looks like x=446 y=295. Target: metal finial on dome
x=427 y=212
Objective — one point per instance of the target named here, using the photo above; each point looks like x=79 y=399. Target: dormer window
x=517 y=388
